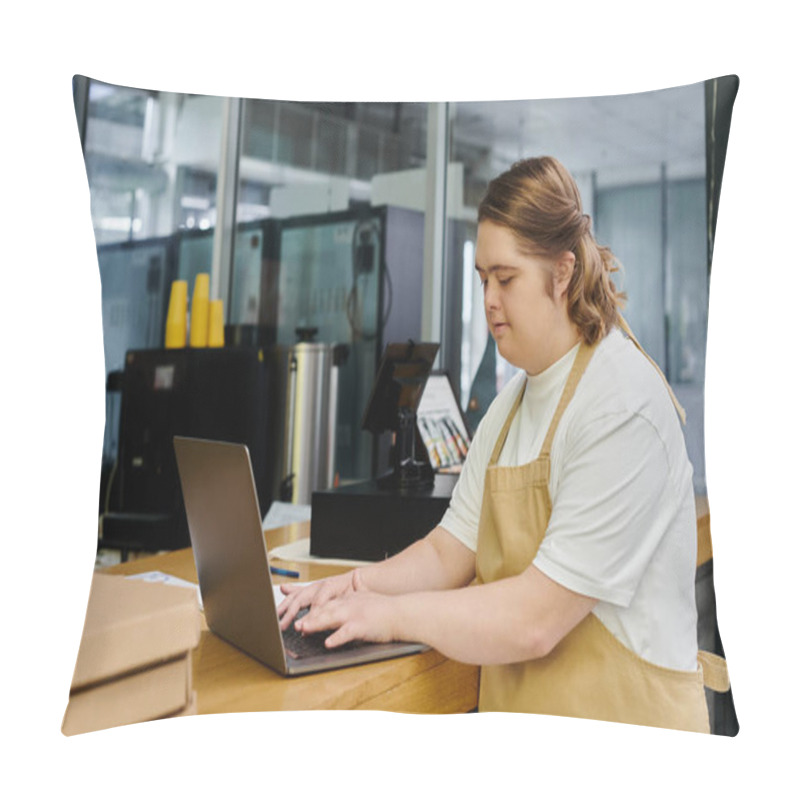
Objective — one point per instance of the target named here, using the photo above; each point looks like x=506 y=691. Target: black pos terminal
x=372 y=520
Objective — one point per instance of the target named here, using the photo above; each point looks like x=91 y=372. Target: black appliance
x=366 y=521
x=223 y=394
x=372 y=520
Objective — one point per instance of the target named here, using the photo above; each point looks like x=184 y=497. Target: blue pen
x=286 y=573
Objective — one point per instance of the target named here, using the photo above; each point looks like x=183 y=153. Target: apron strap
x=715 y=671
x=585 y=352
x=501 y=439
x=625 y=327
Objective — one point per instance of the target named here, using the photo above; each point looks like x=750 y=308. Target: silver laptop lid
x=229 y=549
x=230 y=554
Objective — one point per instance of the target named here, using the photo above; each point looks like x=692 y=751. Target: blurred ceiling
x=589 y=134
x=607 y=135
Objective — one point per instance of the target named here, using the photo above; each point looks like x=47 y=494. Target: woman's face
x=526 y=318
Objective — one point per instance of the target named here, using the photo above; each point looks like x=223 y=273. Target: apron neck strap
x=585 y=352
x=501 y=439
x=625 y=327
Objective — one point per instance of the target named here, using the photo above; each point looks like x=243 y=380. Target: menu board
x=441 y=425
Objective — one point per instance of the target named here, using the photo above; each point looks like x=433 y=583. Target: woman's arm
x=511 y=620
x=439 y=561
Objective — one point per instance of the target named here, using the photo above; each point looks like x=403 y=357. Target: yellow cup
x=175 y=335
x=198 y=324
x=216 y=324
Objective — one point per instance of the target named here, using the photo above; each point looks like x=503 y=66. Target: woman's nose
x=489 y=296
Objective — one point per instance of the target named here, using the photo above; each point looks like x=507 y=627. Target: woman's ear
x=562 y=273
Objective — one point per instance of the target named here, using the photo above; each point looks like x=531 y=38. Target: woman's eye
x=500 y=281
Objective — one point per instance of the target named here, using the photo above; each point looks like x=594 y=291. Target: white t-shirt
x=623 y=527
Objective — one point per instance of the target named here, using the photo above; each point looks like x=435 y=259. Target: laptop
x=230 y=554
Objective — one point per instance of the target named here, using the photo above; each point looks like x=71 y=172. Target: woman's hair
x=538 y=200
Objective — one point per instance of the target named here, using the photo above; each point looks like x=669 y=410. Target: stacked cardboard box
x=135 y=658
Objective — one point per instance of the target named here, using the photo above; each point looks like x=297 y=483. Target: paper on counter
x=171 y=580
x=162 y=577
x=281 y=514
x=299 y=551
x=280 y=596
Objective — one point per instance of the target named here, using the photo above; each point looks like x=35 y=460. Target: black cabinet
x=225 y=394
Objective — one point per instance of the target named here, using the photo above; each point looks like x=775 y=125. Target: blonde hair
x=538 y=201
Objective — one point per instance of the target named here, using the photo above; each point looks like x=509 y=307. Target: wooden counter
x=226 y=680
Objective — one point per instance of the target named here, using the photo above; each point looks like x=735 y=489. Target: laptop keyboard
x=300 y=645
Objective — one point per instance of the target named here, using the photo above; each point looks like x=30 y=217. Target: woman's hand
x=359 y=615
x=316 y=594
x=366 y=603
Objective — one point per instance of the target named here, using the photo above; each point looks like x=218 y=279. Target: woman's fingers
x=361 y=615
x=339 y=637
x=329 y=618
x=313 y=595
x=296 y=598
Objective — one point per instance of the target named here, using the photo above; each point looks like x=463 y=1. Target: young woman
x=565 y=564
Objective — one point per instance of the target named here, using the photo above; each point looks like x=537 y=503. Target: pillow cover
x=157 y=206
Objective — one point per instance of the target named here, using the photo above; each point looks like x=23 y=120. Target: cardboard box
x=134 y=662
x=130 y=624
x=161 y=690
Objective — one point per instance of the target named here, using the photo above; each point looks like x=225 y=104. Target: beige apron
x=590 y=673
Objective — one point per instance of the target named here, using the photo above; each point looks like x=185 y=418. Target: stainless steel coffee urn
x=309 y=372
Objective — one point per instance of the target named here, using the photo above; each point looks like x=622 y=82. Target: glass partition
x=330 y=187
x=639 y=161
x=358 y=171
x=152 y=179
x=329 y=207
x=150 y=173
x=151 y=166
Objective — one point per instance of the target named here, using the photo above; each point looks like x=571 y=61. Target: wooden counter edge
x=453 y=685
x=704 y=551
